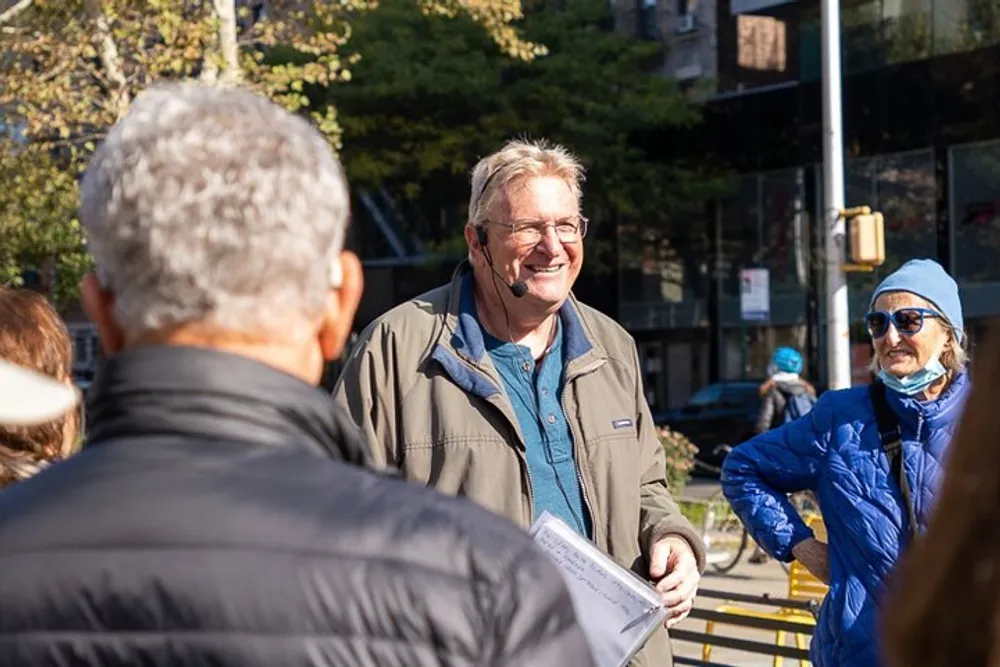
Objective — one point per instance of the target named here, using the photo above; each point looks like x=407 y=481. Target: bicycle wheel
x=724 y=535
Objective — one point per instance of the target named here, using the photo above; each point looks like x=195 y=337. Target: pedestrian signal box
x=866 y=231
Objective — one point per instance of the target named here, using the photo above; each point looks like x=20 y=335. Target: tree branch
x=110 y=58
x=9 y=14
x=228 y=44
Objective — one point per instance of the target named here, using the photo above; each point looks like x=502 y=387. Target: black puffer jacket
x=203 y=524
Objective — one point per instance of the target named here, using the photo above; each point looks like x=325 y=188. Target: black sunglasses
x=907 y=321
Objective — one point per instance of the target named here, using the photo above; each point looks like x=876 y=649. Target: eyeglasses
x=907 y=321
x=569 y=230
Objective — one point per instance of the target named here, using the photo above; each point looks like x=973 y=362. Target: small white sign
x=755 y=295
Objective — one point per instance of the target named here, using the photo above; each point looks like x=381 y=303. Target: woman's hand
x=813 y=555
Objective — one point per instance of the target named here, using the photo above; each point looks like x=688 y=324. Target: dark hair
x=944 y=600
x=34 y=336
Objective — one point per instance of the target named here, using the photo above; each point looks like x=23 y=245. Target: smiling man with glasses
x=504 y=388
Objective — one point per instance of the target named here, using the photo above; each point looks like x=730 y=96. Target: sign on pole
x=755 y=295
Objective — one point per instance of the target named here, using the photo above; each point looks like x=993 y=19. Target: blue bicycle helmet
x=787 y=360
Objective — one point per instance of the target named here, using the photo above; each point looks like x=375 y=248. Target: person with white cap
x=873 y=455
x=28 y=398
x=38 y=421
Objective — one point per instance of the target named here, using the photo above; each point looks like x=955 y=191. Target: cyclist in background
x=786 y=396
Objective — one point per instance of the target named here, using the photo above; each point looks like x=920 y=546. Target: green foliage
x=70 y=69
x=680 y=453
x=37 y=221
x=427 y=100
x=693 y=511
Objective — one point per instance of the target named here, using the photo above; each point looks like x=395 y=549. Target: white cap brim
x=28 y=398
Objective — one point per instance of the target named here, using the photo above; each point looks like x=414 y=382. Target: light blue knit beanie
x=928 y=279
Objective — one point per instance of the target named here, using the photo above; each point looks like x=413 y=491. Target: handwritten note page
x=617 y=611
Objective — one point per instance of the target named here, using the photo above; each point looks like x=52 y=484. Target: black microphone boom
x=518 y=288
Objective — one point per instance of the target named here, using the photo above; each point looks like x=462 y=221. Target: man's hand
x=674 y=568
x=814 y=556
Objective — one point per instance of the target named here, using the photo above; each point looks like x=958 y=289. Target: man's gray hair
x=214 y=205
x=517 y=159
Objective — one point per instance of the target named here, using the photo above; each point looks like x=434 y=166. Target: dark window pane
x=975 y=211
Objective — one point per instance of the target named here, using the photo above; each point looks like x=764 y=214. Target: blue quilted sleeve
x=758 y=475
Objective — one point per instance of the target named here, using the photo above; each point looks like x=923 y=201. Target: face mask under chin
x=918 y=380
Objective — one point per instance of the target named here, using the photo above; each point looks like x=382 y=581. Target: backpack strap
x=892 y=445
x=780 y=400
x=791 y=406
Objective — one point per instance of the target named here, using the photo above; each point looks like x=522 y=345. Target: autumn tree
x=428 y=99
x=70 y=69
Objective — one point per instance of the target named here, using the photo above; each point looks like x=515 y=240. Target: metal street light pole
x=838 y=344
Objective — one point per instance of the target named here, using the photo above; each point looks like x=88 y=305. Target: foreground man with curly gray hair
x=221 y=512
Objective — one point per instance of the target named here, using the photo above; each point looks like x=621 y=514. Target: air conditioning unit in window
x=686 y=23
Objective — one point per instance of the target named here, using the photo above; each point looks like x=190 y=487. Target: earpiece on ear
x=481 y=235
x=336 y=274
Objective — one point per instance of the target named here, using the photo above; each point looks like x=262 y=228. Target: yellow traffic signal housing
x=867 y=235
x=868 y=239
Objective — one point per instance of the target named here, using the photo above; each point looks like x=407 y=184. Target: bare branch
x=228 y=44
x=110 y=58
x=9 y=14
x=56 y=71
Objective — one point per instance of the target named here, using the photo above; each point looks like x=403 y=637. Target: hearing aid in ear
x=336 y=274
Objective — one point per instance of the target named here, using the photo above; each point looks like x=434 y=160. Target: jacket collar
x=463 y=336
x=197 y=393
x=939 y=413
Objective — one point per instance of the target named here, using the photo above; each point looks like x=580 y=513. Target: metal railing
x=723 y=619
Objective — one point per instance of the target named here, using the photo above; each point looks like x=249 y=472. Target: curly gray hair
x=214 y=205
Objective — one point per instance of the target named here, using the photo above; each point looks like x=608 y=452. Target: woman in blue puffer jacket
x=915 y=321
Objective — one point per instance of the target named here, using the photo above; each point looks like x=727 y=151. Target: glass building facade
x=922 y=140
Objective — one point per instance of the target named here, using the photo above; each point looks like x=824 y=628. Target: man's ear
x=341 y=307
x=473 y=240
x=98 y=303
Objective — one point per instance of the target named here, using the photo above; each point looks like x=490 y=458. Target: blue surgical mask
x=918 y=380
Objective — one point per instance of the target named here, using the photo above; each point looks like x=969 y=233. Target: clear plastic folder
x=617 y=610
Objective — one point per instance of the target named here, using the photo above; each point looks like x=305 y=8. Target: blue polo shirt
x=536 y=395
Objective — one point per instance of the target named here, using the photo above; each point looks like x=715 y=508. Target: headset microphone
x=518 y=288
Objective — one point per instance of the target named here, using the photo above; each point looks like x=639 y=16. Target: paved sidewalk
x=744 y=578
x=700 y=488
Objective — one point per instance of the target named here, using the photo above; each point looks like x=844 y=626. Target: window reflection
x=664 y=263
x=975 y=211
x=740 y=232
x=906 y=29
x=963 y=25
x=882 y=32
x=763 y=224
x=902 y=187
x=761 y=43
x=785 y=243
x=747 y=352
x=861 y=36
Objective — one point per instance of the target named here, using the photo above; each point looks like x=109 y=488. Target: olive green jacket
x=421 y=385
